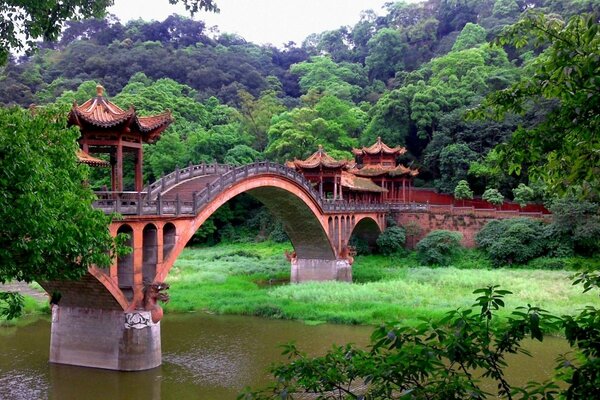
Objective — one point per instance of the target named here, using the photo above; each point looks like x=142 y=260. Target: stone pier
x=109 y=339
x=309 y=269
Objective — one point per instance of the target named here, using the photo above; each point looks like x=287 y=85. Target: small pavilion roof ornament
x=318 y=159
x=379 y=147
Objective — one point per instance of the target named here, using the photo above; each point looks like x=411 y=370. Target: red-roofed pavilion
x=107 y=129
x=379 y=163
x=322 y=170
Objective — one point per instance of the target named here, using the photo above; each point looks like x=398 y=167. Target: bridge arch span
x=301 y=215
x=367 y=230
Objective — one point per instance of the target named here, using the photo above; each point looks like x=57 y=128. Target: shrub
x=575 y=227
x=361 y=246
x=462 y=191
x=438 y=247
x=523 y=194
x=511 y=241
x=493 y=196
x=391 y=240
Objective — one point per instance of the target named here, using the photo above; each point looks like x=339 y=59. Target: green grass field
x=250 y=279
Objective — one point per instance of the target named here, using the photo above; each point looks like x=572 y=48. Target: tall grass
x=245 y=279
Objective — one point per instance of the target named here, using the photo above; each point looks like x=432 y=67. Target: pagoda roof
x=378 y=170
x=319 y=159
x=85 y=158
x=102 y=113
x=379 y=147
x=360 y=184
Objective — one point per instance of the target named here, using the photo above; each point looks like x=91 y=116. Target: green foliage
x=472 y=35
x=512 y=241
x=438 y=247
x=493 y=196
x=575 y=226
x=386 y=50
x=241 y=154
x=24 y=23
x=462 y=191
x=505 y=8
x=391 y=240
x=523 y=194
x=53 y=236
x=11 y=305
x=561 y=148
x=454 y=162
x=433 y=360
x=239 y=278
x=325 y=76
x=331 y=123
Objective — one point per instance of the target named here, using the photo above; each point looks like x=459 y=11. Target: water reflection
x=204 y=357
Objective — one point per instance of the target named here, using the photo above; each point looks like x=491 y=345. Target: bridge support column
x=311 y=269
x=110 y=339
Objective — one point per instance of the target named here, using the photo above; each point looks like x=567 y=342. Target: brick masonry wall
x=420 y=224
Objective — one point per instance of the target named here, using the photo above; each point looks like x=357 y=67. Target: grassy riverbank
x=246 y=279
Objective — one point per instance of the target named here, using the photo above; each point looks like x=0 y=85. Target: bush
x=513 y=241
x=361 y=246
x=575 y=227
x=493 y=196
x=438 y=247
x=391 y=240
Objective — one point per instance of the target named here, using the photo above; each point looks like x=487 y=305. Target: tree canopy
x=50 y=230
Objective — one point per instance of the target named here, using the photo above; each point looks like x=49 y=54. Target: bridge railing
x=151 y=201
x=168 y=181
x=212 y=189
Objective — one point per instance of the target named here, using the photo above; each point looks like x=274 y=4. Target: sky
x=260 y=21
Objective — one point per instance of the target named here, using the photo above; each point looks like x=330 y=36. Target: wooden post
x=119 y=168
x=139 y=161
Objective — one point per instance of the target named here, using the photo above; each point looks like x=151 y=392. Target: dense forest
x=409 y=76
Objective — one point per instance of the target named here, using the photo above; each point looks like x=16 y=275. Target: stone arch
x=149 y=253
x=366 y=230
x=169 y=239
x=125 y=263
x=300 y=214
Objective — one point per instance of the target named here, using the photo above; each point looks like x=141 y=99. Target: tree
x=386 y=49
x=560 y=149
x=493 y=196
x=472 y=35
x=523 y=194
x=23 y=23
x=462 y=191
x=50 y=230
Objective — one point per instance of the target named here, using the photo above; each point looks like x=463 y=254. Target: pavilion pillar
x=139 y=162
x=113 y=172
x=340 y=187
x=321 y=187
x=118 y=173
x=335 y=188
x=404 y=190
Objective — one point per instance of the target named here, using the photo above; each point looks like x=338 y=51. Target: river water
x=204 y=357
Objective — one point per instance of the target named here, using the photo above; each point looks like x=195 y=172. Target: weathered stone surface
x=100 y=338
x=310 y=269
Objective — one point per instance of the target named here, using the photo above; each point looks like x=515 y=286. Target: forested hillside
x=408 y=76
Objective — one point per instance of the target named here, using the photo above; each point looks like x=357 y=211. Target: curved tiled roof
x=85 y=158
x=379 y=147
x=318 y=159
x=359 y=184
x=373 y=171
x=100 y=112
